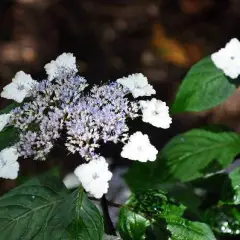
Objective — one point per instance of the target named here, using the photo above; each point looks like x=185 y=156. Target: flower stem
x=108 y=225
x=215 y=173
x=111 y=204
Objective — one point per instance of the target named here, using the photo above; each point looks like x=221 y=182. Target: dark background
x=113 y=38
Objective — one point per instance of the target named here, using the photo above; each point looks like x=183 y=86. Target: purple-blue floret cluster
x=84 y=120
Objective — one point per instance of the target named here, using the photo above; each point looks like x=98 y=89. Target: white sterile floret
x=19 y=88
x=156 y=113
x=139 y=148
x=228 y=59
x=94 y=176
x=71 y=181
x=9 y=166
x=64 y=64
x=137 y=84
x=4 y=119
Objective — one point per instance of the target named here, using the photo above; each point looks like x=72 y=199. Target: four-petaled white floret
x=64 y=64
x=19 y=88
x=9 y=166
x=94 y=176
x=137 y=84
x=4 y=119
x=139 y=148
x=156 y=113
x=228 y=59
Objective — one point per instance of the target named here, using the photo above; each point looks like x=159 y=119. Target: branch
x=108 y=225
x=111 y=204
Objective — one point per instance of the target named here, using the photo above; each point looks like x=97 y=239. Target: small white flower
x=156 y=113
x=71 y=181
x=137 y=84
x=9 y=166
x=94 y=176
x=228 y=59
x=4 y=119
x=139 y=148
x=65 y=62
x=19 y=88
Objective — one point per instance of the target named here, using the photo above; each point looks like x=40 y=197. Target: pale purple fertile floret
x=61 y=109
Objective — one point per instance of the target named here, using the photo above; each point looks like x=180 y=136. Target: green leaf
x=204 y=87
x=42 y=209
x=8 y=136
x=24 y=211
x=9 y=108
x=149 y=175
x=187 y=156
x=182 y=229
x=137 y=215
x=224 y=219
x=154 y=202
x=190 y=155
x=235 y=181
x=153 y=215
x=206 y=188
x=153 y=175
x=141 y=209
x=84 y=221
x=158 y=230
x=185 y=194
x=132 y=226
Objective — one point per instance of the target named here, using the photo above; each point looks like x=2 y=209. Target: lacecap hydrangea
x=64 y=107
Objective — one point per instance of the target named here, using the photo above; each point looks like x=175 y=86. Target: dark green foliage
x=42 y=208
x=204 y=87
x=153 y=215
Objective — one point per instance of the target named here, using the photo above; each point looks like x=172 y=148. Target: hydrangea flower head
x=64 y=64
x=62 y=110
x=19 y=88
x=137 y=84
x=228 y=59
x=87 y=120
x=156 y=113
x=139 y=148
x=94 y=176
x=9 y=166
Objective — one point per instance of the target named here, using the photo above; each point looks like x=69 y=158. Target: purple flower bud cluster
x=86 y=120
x=98 y=118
